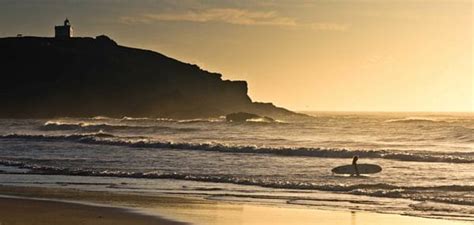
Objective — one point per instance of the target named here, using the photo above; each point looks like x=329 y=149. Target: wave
x=95 y=127
x=418 y=120
x=259 y=121
x=164 y=119
x=72 y=137
x=135 y=118
x=412 y=193
x=200 y=121
x=149 y=119
x=137 y=123
x=375 y=190
x=183 y=121
x=430 y=206
x=102 y=138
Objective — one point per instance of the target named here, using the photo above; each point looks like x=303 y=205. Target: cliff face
x=46 y=77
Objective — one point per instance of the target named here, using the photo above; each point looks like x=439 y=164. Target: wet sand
x=17 y=211
x=153 y=209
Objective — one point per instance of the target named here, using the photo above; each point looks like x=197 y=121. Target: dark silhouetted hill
x=81 y=77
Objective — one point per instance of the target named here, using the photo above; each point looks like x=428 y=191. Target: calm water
x=427 y=159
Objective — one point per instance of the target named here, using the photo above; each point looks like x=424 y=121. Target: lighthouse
x=64 y=31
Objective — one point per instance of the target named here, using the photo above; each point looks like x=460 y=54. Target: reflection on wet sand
x=199 y=211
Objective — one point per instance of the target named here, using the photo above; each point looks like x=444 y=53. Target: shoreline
x=101 y=207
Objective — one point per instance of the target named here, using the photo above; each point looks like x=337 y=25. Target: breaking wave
x=102 y=138
x=375 y=190
x=127 y=118
x=200 y=121
x=419 y=120
x=164 y=119
x=95 y=127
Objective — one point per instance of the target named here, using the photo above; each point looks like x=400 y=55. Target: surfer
x=356 y=168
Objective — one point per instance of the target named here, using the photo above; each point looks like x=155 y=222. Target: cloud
x=231 y=16
x=223 y=15
x=329 y=26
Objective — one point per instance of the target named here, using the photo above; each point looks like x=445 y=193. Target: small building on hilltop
x=64 y=31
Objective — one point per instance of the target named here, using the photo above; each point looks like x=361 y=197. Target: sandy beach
x=32 y=205
x=43 y=212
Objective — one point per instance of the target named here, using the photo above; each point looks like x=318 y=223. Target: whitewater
x=427 y=159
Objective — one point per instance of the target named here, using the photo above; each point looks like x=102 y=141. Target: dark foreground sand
x=15 y=211
x=150 y=209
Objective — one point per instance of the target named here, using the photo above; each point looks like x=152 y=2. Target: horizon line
x=379 y=111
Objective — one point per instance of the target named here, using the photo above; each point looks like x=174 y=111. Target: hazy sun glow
x=352 y=55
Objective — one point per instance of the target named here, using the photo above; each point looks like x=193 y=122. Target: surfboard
x=363 y=169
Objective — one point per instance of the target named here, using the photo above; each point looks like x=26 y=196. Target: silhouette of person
x=354 y=163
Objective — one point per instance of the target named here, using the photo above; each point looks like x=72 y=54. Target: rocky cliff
x=79 y=77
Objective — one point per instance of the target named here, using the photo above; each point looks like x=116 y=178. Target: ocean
x=427 y=159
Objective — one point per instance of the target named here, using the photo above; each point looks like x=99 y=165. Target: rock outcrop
x=81 y=77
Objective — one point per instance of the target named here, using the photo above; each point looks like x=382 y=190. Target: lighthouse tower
x=64 y=31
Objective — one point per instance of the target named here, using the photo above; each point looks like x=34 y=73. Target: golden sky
x=332 y=55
